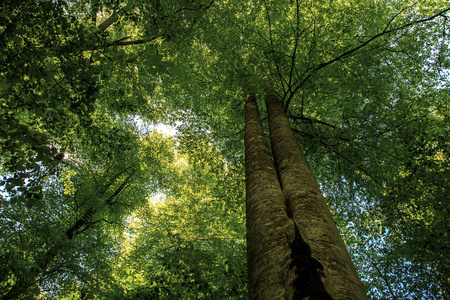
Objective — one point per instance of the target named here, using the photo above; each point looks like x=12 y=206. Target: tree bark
x=294 y=250
x=323 y=268
x=268 y=252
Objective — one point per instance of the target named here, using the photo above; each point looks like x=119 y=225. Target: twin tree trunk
x=294 y=249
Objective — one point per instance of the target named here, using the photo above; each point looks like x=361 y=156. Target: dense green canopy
x=97 y=202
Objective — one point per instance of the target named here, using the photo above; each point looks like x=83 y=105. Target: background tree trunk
x=321 y=262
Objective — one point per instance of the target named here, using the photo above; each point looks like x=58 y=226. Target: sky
x=144 y=127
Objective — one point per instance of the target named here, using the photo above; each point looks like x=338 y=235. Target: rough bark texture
x=321 y=263
x=268 y=252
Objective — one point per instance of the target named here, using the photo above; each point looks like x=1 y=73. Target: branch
x=351 y=51
x=272 y=47
x=109 y=222
x=132 y=60
x=114 y=178
x=297 y=35
x=122 y=39
x=113 y=18
x=338 y=153
x=124 y=185
x=85 y=222
x=385 y=31
x=77 y=227
x=127 y=43
x=294 y=52
x=311 y=120
x=385 y=280
x=108 y=22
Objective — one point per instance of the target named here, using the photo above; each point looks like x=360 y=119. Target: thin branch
x=303 y=102
x=132 y=60
x=385 y=31
x=311 y=120
x=299 y=85
x=272 y=52
x=294 y=52
x=113 y=179
x=351 y=51
x=135 y=42
x=109 y=222
x=266 y=49
x=384 y=151
x=122 y=39
x=120 y=189
x=340 y=154
x=385 y=280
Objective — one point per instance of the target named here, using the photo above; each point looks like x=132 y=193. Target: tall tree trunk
x=323 y=267
x=268 y=252
x=294 y=247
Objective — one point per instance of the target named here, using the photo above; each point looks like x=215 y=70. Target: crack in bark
x=308 y=270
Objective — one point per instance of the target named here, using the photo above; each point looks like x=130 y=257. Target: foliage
x=185 y=244
x=95 y=203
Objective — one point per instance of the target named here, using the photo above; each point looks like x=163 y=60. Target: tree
x=350 y=120
x=64 y=148
x=63 y=60
x=294 y=248
x=188 y=242
x=83 y=205
x=364 y=85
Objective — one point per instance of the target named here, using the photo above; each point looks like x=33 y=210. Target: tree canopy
x=96 y=202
